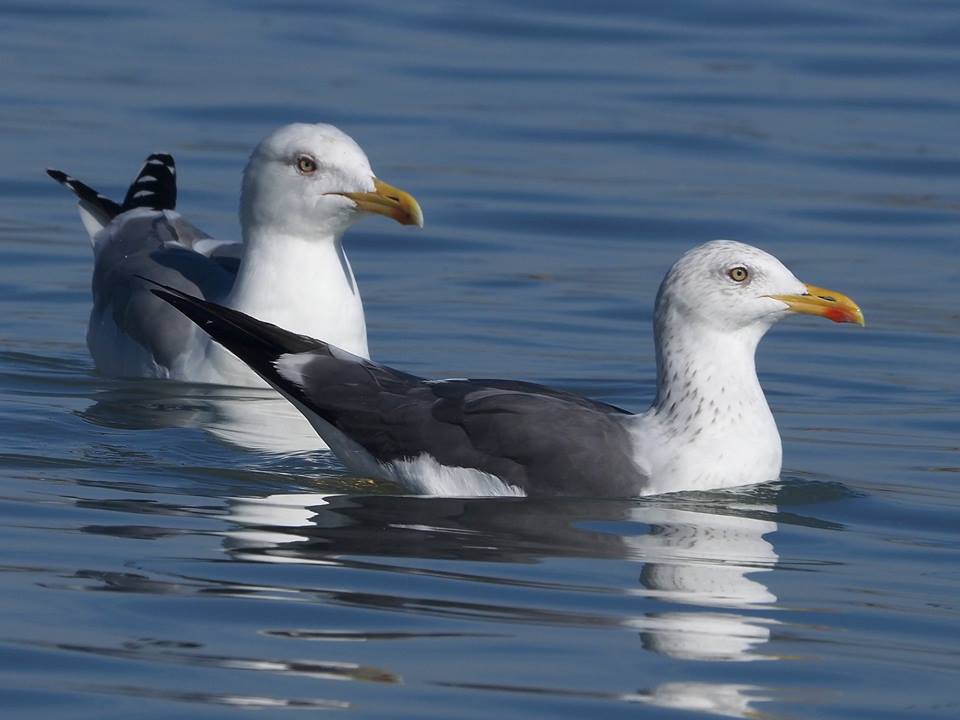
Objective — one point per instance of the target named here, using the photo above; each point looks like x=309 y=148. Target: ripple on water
x=179 y=550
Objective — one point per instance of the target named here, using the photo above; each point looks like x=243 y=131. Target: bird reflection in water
x=700 y=570
x=251 y=419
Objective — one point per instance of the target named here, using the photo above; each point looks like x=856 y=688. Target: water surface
x=165 y=557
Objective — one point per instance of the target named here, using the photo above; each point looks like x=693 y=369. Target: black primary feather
x=155 y=186
x=102 y=206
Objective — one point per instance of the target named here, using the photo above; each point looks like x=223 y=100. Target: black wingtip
x=86 y=194
x=155 y=186
x=165 y=292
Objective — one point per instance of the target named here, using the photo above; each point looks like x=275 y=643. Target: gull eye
x=738 y=274
x=306 y=165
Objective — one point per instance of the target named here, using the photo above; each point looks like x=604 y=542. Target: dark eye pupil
x=739 y=274
x=307 y=165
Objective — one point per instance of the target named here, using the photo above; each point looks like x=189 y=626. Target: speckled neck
x=710 y=425
x=706 y=378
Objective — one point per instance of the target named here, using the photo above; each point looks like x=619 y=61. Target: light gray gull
x=303 y=187
x=709 y=426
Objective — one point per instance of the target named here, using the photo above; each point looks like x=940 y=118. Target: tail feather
x=155 y=186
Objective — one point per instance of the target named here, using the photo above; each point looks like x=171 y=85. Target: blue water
x=160 y=561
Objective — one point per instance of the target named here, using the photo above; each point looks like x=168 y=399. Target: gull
x=303 y=187
x=709 y=426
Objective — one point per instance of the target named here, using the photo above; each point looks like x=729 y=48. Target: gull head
x=728 y=286
x=313 y=180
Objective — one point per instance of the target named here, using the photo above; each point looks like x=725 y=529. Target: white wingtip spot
x=291 y=365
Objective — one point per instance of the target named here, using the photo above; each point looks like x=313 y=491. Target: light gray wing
x=160 y=245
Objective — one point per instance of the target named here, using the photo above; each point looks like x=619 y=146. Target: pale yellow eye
x=306 y=164
x=738 y=274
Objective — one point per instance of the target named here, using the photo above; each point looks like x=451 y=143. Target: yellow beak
x=825 y=303
x=390 y=201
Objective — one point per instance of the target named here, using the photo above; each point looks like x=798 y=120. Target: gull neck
x=304 y=284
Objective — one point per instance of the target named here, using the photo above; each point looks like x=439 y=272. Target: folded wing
x=129 y=327
x=543 y=441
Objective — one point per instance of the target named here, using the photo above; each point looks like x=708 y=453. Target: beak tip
x=409 y=218
x=845 y=315
x=825 y=303
x=388 y=201
x=413 y=214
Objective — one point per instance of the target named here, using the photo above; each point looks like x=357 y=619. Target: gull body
x=303 y=187
x=709 y=426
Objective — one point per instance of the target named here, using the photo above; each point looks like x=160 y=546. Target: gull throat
x=710 y=425
x=281 y=276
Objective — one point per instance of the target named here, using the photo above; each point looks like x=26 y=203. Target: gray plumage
x=163 y=246
x=304 y=186
x=710 y=426
x=144 y=236
x=540 y=440
x=543 y=441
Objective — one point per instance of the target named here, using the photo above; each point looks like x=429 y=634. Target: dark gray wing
x=541 y=440
x=545 y=441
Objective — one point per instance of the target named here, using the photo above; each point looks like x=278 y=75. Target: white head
x=312 y=180
x=729 y=286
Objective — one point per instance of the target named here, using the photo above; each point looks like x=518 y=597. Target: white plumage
x=303 y=187
x=709 y=427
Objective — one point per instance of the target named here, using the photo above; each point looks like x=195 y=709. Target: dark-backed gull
x=709 y=426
